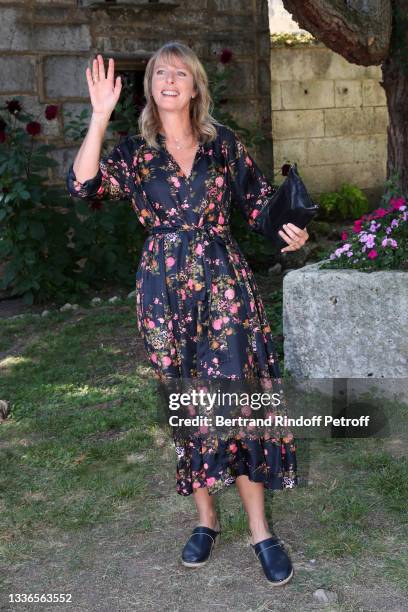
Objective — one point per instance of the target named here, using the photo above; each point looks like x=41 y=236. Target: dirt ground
x=117 y=569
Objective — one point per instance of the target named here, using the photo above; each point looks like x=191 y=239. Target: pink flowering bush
x=378 y=241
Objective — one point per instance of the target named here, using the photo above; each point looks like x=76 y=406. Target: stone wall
x=46 y=45
x=329 y=116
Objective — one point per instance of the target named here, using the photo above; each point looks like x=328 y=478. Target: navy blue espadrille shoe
x=275 y=562
x=199 y=546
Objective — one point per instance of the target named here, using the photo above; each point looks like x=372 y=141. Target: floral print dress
x=197 y=304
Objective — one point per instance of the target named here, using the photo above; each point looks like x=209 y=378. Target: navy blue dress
x=198 y=307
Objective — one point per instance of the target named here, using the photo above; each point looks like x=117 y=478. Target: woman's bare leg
x=207 y=514
x=253 y=499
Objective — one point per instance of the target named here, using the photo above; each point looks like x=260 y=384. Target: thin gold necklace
x=177 y=144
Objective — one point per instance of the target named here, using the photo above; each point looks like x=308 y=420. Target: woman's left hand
x=294 y=236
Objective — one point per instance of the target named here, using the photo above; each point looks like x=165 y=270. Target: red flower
x=2 y=136
x=344 y=235
x=380 y=212
x=225 y=56
x=51 y=111
x=33 y=128
x=13 y=106
x=285 y=169
x=357 y=226
x=396 y=203
x=372 y=254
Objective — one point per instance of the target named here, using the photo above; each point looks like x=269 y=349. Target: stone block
x=363 y=174
x=65 y=77
x=240 y=44
x=307 y=94
x=262 y=13
x=18 y=34
x=381 y=119
x=370 y=148
x=347 y=92
x=61 y=14
x=373 y=93
x=13 y=36
x=276 y=96
x=233 y=6
x=340 y=68
x=289 y=150
x=61 y=38
x=366 y=175
x=264 y=78
x=362 y=120
x=17 y=74
x=330 y=317
x=337 y=150
x=297 y=124
x=319 y=179
x=300 y=63
x=224 y=22
x=140 y=47
x=264 y=43
x=348 y=121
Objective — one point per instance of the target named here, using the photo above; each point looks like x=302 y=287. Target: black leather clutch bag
x=290 y=203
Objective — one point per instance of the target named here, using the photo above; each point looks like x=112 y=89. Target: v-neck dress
x=198 y=307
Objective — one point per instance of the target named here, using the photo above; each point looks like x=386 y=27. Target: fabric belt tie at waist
x=220 y=233
x=202 y=270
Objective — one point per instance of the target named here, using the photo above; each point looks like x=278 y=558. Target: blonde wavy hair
x=202 y=122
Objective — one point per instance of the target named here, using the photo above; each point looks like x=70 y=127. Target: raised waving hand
x=103 y=90
x=104 y=94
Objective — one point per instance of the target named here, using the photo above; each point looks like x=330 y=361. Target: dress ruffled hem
x=271 y=462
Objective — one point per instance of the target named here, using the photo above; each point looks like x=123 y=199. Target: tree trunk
x=339 y=27
x=359 y=30
x=395 y=84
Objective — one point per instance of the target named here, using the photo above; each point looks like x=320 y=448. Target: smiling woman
x=198 y=306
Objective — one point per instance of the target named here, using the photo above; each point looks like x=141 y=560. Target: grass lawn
x=87 y=497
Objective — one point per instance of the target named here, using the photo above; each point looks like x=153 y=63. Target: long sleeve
x=251 y=190
x=110 y=180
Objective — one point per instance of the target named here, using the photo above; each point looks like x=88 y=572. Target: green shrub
x=349 y=202
x=52 y=247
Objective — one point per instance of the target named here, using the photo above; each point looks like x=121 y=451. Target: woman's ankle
x=259 y=531
x=209 y=520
